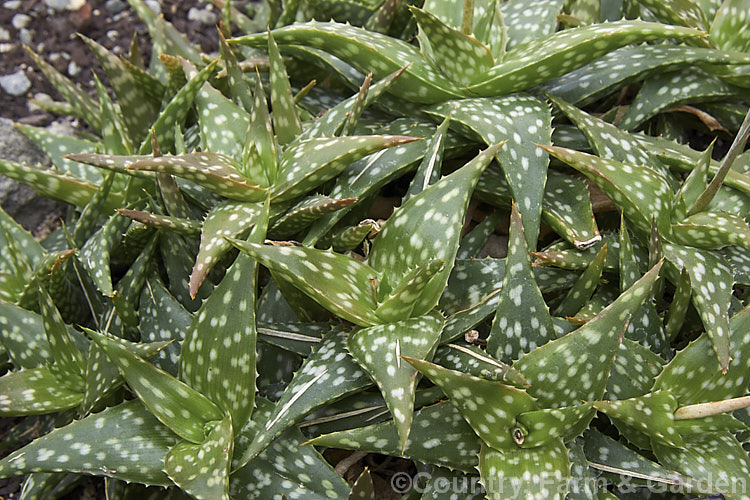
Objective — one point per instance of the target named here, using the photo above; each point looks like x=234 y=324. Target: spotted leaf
x=181 y=408
x=712 y=230
x=95 y=254
x=35 y=391
x=218 y=354
x=714 y=459
x=524 y=122
x=522 y=321
x=584 y=287
x=378 y=350
x=694 y=382
x=456 y=447
x=651 y=413
x=227 y=219
x=374 y=52
x=58 y=146
x=711 y=282
x=727 y=29
x=326 y=375
x=66 y=355
x=429 y=169
x=539 y=427
x=473 y=242
x=202 y=470
x=460 y=57
x=105 y=444
x=223 y=124
x=340 y=284
x=214 y=171
x=558 y=53
x=581 y=360
x=473 y=396
x=23 y=336
x=305 y=213
x=474 y=361
x=527 y=20
x=185 y=227
x=672 y=88
x=286 y=122
x=425 y=229
x=305 y=165
x=541 y=472
x=637 y=190
x=401 y=300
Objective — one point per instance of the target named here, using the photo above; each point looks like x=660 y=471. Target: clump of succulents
x=220 y=306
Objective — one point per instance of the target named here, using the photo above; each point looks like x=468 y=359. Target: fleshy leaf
x=259 y=153
x=522 y=321
x=214 y=171
x=474 y=361
x=202 y=470
x=429 y=169
x=558 y=53
x=456 y=447
x=378 y=350
x=490 y=407
x=35 y=391
x=584 y=287
x=340 y=284
x=527 y=20
x=541 y=472
x=326 y=375
x=305 y=213
x=223 y=124
x=712 y=230
x=305 y=165
x=711 y=282
x=286 y=121
x=524 y=122
x=652 y=414
x=58 y=146
x=428 y=227
x=218 y=354
x=185 y=227
x=633 y=371
x=566 y=208
x=401 y=300
x=460 y=57
x=181 y=408
x=226 y=219
x=95 y=254
x=65 y=353
x=728 y=27
x=124 y=442
x=363 y=489
x=579 y=363
x=637 y=190
x=542 y=426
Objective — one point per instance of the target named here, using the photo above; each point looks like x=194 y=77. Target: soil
x=52 y=34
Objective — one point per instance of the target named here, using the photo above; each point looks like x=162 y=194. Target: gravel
x=15 y=84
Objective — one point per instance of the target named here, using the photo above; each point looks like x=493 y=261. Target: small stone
x=4 y=35
x=201 y=15
x=15 y=84
x=58 y=5
x=73 y=68
x=114 y=6
x=6 y=47
x=154 y=5
x=20 y=21
x=39 y=98
x=24 y=35
x=12 y=4
x=112 y=35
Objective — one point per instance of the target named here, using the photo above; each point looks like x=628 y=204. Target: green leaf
x=682 y=12
x=522 y=321
x=305 y=213
x=124 y=442
x=35 y=391
x=693 y=378
x=218 y=355
x=584 y=287
x=363 y=489
x=456 y=447
x=374 y=52
x=305 y=165
x=672 y=88
x=184 y=227
x=541 y=472
x=326 y=375
x=641 y=193
x=716 y=461
x=228 y=218
x=652 y=414
x=181 y=408
x=401 y=300
x=162 y=318
x=473 y=360
x=214 y=171
x=539 y=427
x=579 y=363
x=176 y=111
x=558 y=53
x=286 y=122
x=83 y=105
x=58 y=146
x=23 y=336
x=349 y=238
x=712 y=230
x=378 y=350
x=115 y=135
x=711 y=282
x=490 y=407
x=460 y=57
x=428 y=227
x=223 y=124
x=202 y=470
x=473 y=242
x=728 y=27
x=527 y=20
x=524 y=122
x=429 y=169
x=95 y=254
x=66 y=355
x=566 y=208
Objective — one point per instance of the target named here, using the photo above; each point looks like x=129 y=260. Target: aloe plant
x=256 y=268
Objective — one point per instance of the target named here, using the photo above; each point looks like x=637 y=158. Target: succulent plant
x=233 y=291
